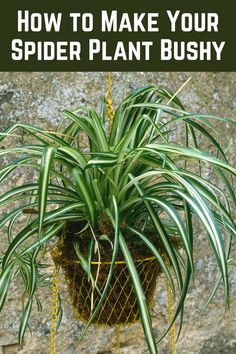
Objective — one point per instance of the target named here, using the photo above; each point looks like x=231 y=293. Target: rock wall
x=39 y=98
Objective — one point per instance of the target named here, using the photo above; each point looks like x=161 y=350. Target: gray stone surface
x=39 y=98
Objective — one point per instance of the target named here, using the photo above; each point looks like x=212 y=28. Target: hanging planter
x=120 y=306
x=134 y=194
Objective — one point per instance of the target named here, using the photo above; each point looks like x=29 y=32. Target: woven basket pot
x=120 y=307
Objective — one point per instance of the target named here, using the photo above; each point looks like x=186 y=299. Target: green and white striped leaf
x=46 y=165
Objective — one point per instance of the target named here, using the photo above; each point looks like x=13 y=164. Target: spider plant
x=138 y=176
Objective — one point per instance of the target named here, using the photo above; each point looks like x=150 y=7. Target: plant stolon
x=146 y=261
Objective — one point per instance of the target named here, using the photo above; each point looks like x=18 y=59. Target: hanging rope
x=117 y=339
x=109 y=106
x=54 y=311
x=171 y=312
x=55 y=296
